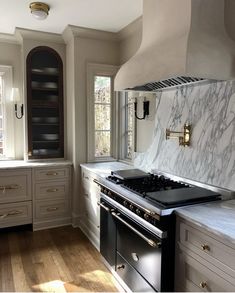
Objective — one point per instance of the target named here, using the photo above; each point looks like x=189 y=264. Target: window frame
x=9 y=142
x=123 y=122
x=94 y=69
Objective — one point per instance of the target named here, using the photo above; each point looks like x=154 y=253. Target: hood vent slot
x=167 y=83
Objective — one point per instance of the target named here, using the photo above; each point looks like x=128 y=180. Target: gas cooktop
x=160 y=190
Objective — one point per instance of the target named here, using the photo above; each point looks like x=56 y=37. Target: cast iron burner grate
x=152 y=183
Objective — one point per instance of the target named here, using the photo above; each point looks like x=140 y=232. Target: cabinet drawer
x=198 y=277
x=15 y=214
x=51 y=190
x=131 y=277
x=87 y=177
x=91 y=191
x=92 y=211
x=90 y=226
x=51 y=209
x=15 y=186
x=51 y=173
x=208 y=248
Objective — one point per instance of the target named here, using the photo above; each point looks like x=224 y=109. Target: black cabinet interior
x=45 y=104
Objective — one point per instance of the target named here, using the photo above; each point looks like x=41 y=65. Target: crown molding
x=26 y=34
x=88 y=33
x=8 y=38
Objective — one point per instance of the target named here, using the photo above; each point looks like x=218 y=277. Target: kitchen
x=184 y=100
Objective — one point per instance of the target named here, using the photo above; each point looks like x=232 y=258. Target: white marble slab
x=26 y=164
x=210 y=109
x=217 y=218
x=104 y=169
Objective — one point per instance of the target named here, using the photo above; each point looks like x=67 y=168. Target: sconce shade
x=39 y=10
x=15 y=95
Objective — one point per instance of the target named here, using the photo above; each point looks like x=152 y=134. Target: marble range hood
x=183 y=41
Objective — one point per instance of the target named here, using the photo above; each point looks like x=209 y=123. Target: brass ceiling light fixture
x=39 y=10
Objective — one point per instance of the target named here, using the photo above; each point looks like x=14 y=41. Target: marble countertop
x=26 y=164
x=104 y=169
x=217 y=218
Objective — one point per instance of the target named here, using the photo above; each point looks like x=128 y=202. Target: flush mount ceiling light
x=39 y=10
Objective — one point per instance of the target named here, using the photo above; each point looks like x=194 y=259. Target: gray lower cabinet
x=15 y=197
x=204 y=261
x=52 y=197
x=90 y=213
x=35 y=195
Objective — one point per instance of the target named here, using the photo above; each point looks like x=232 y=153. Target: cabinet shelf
x=45 y=104
x=44 y=73
x=44 y=89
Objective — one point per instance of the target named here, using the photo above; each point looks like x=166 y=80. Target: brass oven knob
x=138 y=212
x=125 y=203
x=131 y=207
x=105 y=191
x=203 y=285
x=146 y=216
x=109 y=193
x=205 y=247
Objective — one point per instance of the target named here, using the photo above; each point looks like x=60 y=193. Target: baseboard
x=51 y=223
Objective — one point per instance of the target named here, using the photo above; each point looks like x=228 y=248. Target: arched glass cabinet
x=45 y=104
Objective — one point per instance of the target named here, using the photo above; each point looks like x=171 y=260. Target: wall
x=210 y=159
x=10 y=54
x=83 y=46
x=130 y=40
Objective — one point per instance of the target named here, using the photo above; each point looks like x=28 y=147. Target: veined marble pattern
x=210 y=109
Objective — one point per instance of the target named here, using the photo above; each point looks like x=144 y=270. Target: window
x=102 y=111
x=101 y=115
x=6 y=114
x=127 y=126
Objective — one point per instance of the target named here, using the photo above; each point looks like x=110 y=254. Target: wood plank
x=60 y=260
x=6 y=275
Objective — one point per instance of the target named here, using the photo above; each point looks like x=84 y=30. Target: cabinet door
x=45 y=104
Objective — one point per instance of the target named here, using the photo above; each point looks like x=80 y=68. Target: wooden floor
x=58 y=260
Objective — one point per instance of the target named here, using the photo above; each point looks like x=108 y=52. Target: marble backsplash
x=210 y=109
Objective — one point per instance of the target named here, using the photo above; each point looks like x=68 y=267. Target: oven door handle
x=103 y=206
x=149 y=241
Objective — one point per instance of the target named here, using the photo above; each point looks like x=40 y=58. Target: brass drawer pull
x=52 y=209
x=205 y=247
x=9 y=187
x=51 y=173
x=52 y=190
x=11 y=213
x=203 y=285
x=86 y=194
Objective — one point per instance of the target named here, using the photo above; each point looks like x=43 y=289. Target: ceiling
x=108 y=15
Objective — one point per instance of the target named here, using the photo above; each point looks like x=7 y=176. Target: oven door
x=141 y=249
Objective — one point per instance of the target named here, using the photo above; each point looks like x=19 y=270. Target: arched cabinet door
x=45 y=104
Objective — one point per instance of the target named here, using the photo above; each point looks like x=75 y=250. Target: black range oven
x=137 y=234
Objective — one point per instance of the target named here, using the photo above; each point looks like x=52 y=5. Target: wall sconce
x=145 y=109
x=16 y=99
x=183 y=136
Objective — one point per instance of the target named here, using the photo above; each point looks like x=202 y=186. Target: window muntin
x=102 y=113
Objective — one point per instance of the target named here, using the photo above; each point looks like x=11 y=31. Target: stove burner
x=152 y=183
